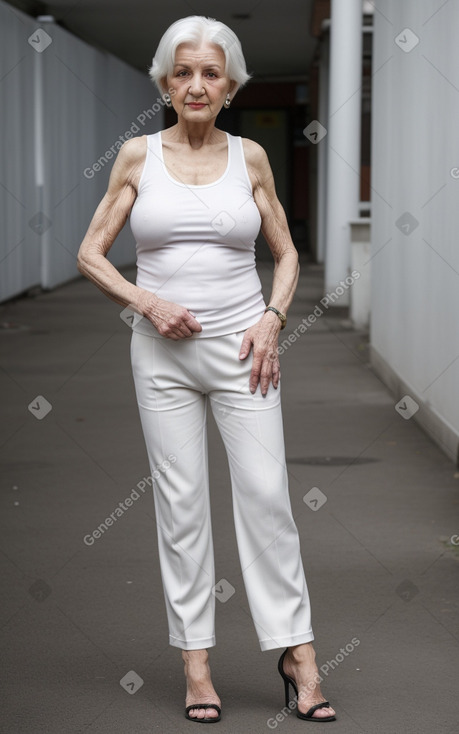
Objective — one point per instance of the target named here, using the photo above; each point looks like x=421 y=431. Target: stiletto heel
x=308 y=716
x=287 y=697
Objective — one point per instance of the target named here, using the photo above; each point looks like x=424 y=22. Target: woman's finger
x=246 y=345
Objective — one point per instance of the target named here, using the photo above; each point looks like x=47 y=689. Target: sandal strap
x=204 y=706
x=324 y=704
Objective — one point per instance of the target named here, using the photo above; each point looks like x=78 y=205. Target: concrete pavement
x=80 y=616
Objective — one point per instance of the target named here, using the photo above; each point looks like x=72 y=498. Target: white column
x=343 y=138
x=324 y=73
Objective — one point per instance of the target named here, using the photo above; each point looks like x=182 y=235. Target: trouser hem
x=198 y=644
x=270 y=643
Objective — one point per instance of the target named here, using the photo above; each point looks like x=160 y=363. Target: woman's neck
x=194 y=134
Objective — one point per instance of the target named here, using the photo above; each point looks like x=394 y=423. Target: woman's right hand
x=168 y=318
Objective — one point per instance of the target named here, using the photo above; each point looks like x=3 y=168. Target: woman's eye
x=210 y=74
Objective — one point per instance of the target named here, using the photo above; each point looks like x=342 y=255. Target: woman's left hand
x=263 y=337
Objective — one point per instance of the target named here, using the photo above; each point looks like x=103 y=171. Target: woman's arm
x=274 y=227
x=264 y=335
x=107 y=222
x=169 y=319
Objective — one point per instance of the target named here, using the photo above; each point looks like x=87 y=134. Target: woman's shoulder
x=130 y=160
x=255 y=156
x=134 y=146
x=133 y=150
x=254 y=153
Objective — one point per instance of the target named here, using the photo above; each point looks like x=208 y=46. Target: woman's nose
x=196 y=88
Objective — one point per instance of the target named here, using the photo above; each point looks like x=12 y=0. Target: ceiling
x=275 y=34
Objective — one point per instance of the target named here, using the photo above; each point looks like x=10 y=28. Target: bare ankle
x=304 y=651
x=201 y=654
x=194 y=660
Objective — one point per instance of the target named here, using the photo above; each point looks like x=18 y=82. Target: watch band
x=281 y=316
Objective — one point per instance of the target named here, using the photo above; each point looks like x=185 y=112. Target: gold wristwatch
x=283 y=318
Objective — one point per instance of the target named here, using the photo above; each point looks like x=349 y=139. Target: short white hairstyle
x=196 y=29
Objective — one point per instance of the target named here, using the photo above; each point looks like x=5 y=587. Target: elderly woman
x=196 y=197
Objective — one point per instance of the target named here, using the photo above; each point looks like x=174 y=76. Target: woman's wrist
x=145 y=302
x=271 y=318
x=279 y=315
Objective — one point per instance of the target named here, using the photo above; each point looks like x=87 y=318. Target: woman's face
x=198 y=85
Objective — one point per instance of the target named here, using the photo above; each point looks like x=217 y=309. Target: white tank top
x=196 y=244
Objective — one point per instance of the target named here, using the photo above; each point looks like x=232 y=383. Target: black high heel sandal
x=308 y=716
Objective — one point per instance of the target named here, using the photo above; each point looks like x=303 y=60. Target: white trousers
x=174 y=381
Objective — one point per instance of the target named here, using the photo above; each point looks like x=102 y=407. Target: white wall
x=19 y=253
x=415 y=276
x=61 y=110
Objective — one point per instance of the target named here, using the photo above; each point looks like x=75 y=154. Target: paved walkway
x=79 y=617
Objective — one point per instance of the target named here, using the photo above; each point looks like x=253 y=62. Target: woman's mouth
x=196 y=105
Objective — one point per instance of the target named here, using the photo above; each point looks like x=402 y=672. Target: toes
x=198 y=713
x=323 y=712
x=320 y=713
x=210 y=713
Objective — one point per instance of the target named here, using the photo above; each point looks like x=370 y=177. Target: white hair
x=195 y=29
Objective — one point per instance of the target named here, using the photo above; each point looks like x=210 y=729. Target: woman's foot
x=199 y=688
x=299 y=664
